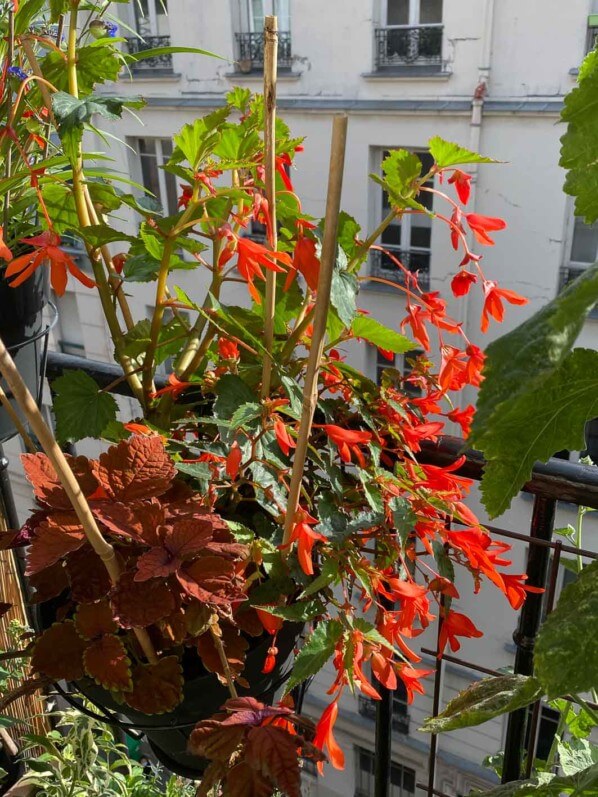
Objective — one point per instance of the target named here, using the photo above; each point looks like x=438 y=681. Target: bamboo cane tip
x=271 y=24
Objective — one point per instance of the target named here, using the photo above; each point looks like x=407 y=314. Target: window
x=592 y=31
x=154 y=153
x=250 y=38
x=409 y=239
x=402 y=779
x=69 y=332
x=403 y=363
x=151 y=23
x=581 y=253
x=411 y=36
x=400 y=707
x=547 y=727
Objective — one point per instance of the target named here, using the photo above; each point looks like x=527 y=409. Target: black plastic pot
x=204 y=695
x=23 y=332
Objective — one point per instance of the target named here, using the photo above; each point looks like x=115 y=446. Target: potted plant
x=270 y=485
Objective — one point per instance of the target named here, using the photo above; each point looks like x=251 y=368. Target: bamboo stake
x=270 y=77
x=12 y=414
x=310 y=389
x=67 y=478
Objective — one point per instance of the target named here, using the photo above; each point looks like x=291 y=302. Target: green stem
x=157 y=317
x=581 y=510
x=355 y=261
x=588 y=709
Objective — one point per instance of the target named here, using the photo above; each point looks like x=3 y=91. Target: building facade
x=489 y=74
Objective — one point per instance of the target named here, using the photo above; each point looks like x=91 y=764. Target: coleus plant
x=195 y=494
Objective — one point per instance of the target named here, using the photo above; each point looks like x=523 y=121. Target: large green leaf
x=401 y=172
x=374 y=332
x=526 y=429
x=566 y=651
x=579 y=145
x=343 y=295
x=446 y=154
x=99 y=62
x=581 y=784
x=315 y=653
x=484 y=700
x=576 y=755
x=81 y=409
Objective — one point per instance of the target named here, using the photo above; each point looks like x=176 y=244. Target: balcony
x=400 y=718
x=411 y=50
x=250 y=52
x=156 y=65
x=414 y=260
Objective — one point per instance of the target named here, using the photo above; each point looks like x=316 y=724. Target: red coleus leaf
x=214 y=740
x=243 y=780
x=49 y=583
x=157 y=688
x=235 y=647
x=273 y=752
x=55 y=537
x=107 y=662
x=58 y=653
x=46 y=485
x=249 y=622
x=139 y=604
x=136 y=468
x=95 y=619
x=87 y=575
x=209 y=579
x=138 y=520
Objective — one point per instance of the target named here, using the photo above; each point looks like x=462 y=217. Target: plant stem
x=148 y=364
x=270 y=76
x=355 y=261
x=581 y=510
x=8 y=159
x=310 y=390
x=67 y=478
x=10 y=411
x=215 y=631
x=588 y=709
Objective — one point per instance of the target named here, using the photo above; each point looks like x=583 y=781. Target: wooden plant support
x=67 y=478
x=270 y=78
x=322 y=306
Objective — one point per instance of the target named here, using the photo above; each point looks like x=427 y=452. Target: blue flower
x=17 y=72
x=111 y=29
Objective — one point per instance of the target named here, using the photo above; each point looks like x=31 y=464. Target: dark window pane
x=397 y=12
x=408 y=781
x=585 y=242
x=421 y=237
x=392 y=235
x=430 y=11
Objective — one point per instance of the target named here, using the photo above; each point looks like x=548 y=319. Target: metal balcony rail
x=250 y=52
x=557 y=480
x=592 y=38
x=413 y=46
x=413 y=259
x=162 y=63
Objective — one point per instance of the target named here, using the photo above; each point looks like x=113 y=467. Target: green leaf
x=579 y=145
x=343 y=295
x=446 y=153
x=374 y=332
x=318 y=648
x=232 y=393
x=99 y=234
x=524 y=430
x=545 y=784
x=298 y=612
x=197 y=140
x=96 y=63
x=57 y=8
x=483 y=700
x=348 y=230
x=8 y=722
x=445 y=568
x=401 y=172
x=155 y=52
x=329 y=574
x=576 y=755
x=60 y=204
x=566 y=651
x=245 y=414
x=81 y=409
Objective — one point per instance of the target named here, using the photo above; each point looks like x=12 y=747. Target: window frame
x=414 y=17
x=270 y=7
x=364 y=778
x=160 y=159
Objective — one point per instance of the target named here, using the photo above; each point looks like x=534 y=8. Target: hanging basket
x=25 y=334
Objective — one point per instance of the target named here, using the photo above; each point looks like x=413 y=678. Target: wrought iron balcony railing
x=400 y=718
x=250 y=52
x=157 y=63
x=414 y=260
x=420 y=46
x=592 y=38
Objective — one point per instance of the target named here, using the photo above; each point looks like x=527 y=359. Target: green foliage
x=96 y=63
x=374 y=332
x=484 y=700
x=579 y=145
x=519 y=367
x=401 y=172
x=566 y=651
x=523 y=430
x=314 y=654
x=545 y=784
x=81 y=408
x=446 y=153
x=343 y=295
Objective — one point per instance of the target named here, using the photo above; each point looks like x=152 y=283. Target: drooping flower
x=185 y=197
x=47 y=248
x=305 y=261
x=482 y=225
x=462 y=282
x=324 y=737
x=455 y=624
x=462 y=183
x=515 y=591
x=251 y=257
x=174 y=388
x=228 y=349
x=411 y=678
x=416 y=317
x=493 y=305
x=464 y=418
x=348 y=441
x=283 y=438
x=233 y=461
x=305 y=537
x=5 y=252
